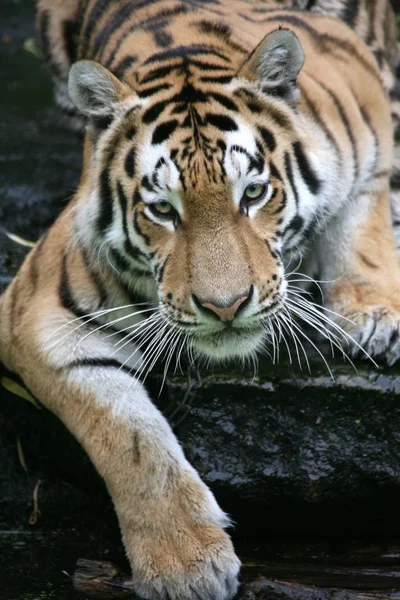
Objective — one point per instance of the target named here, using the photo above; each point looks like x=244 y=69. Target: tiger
x=224 y=141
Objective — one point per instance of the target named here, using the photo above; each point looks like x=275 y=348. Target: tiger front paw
x=374 y=331
x=197 y=563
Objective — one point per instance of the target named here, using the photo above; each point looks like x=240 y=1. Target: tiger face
x=192 y=195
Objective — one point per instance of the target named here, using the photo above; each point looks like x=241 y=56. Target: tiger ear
x=95 y=91
x=275 y=64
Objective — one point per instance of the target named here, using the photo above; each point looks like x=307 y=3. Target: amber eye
x=162 y=209
x=165 y=211
x=254 y=192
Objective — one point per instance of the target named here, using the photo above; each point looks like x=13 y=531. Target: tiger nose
x=226 y=313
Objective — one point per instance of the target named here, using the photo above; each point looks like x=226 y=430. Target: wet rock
x=100 y=579
x=264 y=589
x=284 y=452
x=289 y=452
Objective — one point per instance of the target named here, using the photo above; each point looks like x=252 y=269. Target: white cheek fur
x=168 y=180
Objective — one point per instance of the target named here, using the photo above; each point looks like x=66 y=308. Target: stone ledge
x=285 y=453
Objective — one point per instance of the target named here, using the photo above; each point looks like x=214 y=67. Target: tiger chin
x=224 y=142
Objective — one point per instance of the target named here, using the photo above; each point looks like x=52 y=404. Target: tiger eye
x=163 y=208
x=255 y=191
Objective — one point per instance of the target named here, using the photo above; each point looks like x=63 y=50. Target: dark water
x=37 y=565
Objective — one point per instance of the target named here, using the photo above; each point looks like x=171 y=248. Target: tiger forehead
x=191 y=107
x=203 y=154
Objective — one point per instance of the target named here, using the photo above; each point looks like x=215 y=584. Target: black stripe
x=282 y=203
x=160 y=163
x=155 y=111
x=227 y=102
x=130 y=162
x=395 y=179
x=206 y=66
x=129 y=248
x=153 y=90
x=137 y=197
x=101 y=363
x=146 y=184
x=222 y=122
x=67 y=298
x=70 y=34
x=268 y=138
x=347 y=126
x=184 y=52
x=131 y=132
x=124 y=64
x=295 y=225
x=159 y=270
x=350 y=12
x=220 y=30
x=105 y=217
x=121 y=262
x=163 y=131
x=221 y=79
x=189 y=94
x=306 y=170
x=157 y=74
x=255 y=162
x=273 y=195
x=316 y=113
x=273 y=171
x=95 y=277
x=289 y=173
x=138 y=230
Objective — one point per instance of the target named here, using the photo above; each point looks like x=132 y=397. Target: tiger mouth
x=230 y=342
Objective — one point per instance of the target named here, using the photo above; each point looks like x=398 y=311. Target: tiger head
x=190 y=186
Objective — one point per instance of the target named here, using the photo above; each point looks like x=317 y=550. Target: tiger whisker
x=92 y=316
x=173 y=344
x=316 y=320
x=142 y=335
x=134 y=329
x=148 y=354
x=143 y=357
x=106 y=325
x=319 y=306
x=287 y=321
x=282 y=334
x=301 y=332
x=305 y=313
x=322 y=319
x=178 y=357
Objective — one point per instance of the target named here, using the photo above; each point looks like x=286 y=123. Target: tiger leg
x=171 y=525
x=358 y=256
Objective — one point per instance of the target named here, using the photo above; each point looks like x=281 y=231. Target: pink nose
x=226 y=314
